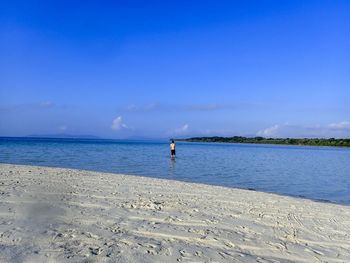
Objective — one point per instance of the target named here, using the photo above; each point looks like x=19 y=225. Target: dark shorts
x=172 y=152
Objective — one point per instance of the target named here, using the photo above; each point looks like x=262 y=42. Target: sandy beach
x=66 y=215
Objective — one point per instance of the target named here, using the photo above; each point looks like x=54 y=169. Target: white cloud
x=151 y=107
x=287 y=130
x=118 y=124
x=269 y=132
x=342 y=126
x=63 y=128
x=206 y=107
x=336 y=130
x=25 y=107
x=144 y=108
x=132 y=107
x=46 y=104
x=182 y=130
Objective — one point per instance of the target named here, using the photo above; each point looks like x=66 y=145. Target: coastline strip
x=66 y=215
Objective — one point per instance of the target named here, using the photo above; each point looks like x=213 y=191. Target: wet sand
x=65 y=215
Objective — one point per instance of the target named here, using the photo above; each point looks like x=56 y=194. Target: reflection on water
x=172 y=164
x=312 y=172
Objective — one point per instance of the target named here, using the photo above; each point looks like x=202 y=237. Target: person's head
x=172 y=141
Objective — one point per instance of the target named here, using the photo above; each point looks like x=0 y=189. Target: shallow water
x=320 y=173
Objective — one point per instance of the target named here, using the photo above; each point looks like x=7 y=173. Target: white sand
x=63 y=215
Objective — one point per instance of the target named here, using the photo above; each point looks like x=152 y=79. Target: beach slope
x=66 y=215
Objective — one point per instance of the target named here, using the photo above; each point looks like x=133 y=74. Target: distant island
x=262 y=140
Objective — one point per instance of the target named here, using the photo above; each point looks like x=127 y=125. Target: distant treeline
x=262 y=140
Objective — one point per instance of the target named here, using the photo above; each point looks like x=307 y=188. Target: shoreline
x=326 y=201
x=79 y=215
x=162 y=140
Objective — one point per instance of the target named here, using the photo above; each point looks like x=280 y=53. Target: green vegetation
x=262 y=140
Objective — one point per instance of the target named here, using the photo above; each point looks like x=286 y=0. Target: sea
x=317 y=173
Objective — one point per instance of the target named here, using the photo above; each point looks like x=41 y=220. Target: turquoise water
x=319 y=173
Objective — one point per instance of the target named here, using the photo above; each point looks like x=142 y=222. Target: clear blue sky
x=120 y=69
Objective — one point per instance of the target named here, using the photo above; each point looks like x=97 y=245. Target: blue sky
x=157 y=69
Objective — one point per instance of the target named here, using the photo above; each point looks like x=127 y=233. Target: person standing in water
x=172 y=148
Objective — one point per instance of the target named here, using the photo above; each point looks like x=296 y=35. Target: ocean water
x=318 y=173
